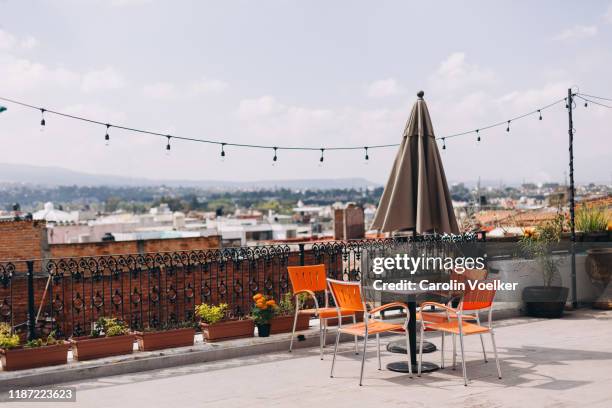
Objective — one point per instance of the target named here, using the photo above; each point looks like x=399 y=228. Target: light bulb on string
x=168 y=146
x=586 y=104
x=42 y=119
x=275 y=158
x=566 y=105
x=322 y=158
x=106 y=136
x=367 y=157
x=222 y=152
x=508 y=127
x=540 y=112
x=443 y=143
x=478 y=135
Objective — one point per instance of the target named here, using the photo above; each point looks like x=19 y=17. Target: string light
x=443 y=143
x=275 y=157
x=298 y=148
x=106 y=136
x=42 y=119
x=168 y=145
x=586 y=104
x=322 y=158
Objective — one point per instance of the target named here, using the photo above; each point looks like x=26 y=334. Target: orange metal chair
x=312 y=279
x=472 y=315
x=459 y=324
x=348 y=296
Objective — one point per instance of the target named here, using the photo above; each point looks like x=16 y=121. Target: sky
x=304 y=73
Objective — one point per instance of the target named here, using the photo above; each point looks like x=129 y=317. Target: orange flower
x=257 y=297
x=271 y=302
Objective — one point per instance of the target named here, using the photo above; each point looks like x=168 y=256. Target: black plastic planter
x=545 y=301
x=263 y=330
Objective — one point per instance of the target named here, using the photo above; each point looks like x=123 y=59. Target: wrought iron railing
x=159 y=289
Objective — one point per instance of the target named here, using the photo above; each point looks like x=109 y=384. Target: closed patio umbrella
x=416 y=195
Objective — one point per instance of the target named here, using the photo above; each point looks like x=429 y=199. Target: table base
x=402 y=367
x=399 y=346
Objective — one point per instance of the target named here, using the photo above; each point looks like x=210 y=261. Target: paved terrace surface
x=545 y=363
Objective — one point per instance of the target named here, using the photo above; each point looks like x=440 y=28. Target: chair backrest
x=310 y=277
x=469 y=274
x=477 y=298
x=347 y=295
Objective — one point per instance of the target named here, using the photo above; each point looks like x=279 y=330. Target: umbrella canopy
x=416 y=195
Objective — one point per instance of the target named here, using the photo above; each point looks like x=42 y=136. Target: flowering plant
x=264 y=309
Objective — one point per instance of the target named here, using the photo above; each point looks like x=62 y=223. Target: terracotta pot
x=88 y=348
x=24 y=358
x=345 y=319
x=162 y=339
x=227 y=330
x=284 y=324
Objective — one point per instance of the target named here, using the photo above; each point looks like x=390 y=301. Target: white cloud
x=264 y=106
x=608 y=14
x=28 y=42
x=160 y=90
x=7 y=40
x=102 y=80
x=206 y=85
x=383 y=87
x=576 y=33
x=18 y=75
x=456 y=74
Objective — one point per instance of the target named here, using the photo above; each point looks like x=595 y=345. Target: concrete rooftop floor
x=545 y=363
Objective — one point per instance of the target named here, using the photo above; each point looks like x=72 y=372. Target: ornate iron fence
x=158 y=289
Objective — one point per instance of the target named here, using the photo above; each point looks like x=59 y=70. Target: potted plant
x=109 y=337
x=216 y=324
x=592 y=222
x=282 y=322
x=166 y=336
x=32 y=354
x=546 y=300
x=262 y=313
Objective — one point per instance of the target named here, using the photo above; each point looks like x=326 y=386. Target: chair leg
x=365 y=345
x=335 y=351
x=321 y=337
x=294 y=326
x=420 y=351
x=495 y=352
x=442 y=352
x=356 y=339
x=484 y=353
x=454 y=351
x=378 y=351
x=325 y=332
x=409 y=354
x=465 y=379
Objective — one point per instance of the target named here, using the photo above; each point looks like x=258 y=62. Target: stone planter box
x=156 y=340
x=284 y=324
x=24 y=358
x=88 y=348
x=228 y=330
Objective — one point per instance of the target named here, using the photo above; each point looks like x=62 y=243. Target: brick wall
x=22 y=239
x=133 y=247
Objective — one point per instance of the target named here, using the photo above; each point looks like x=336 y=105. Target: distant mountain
x=57 y=176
